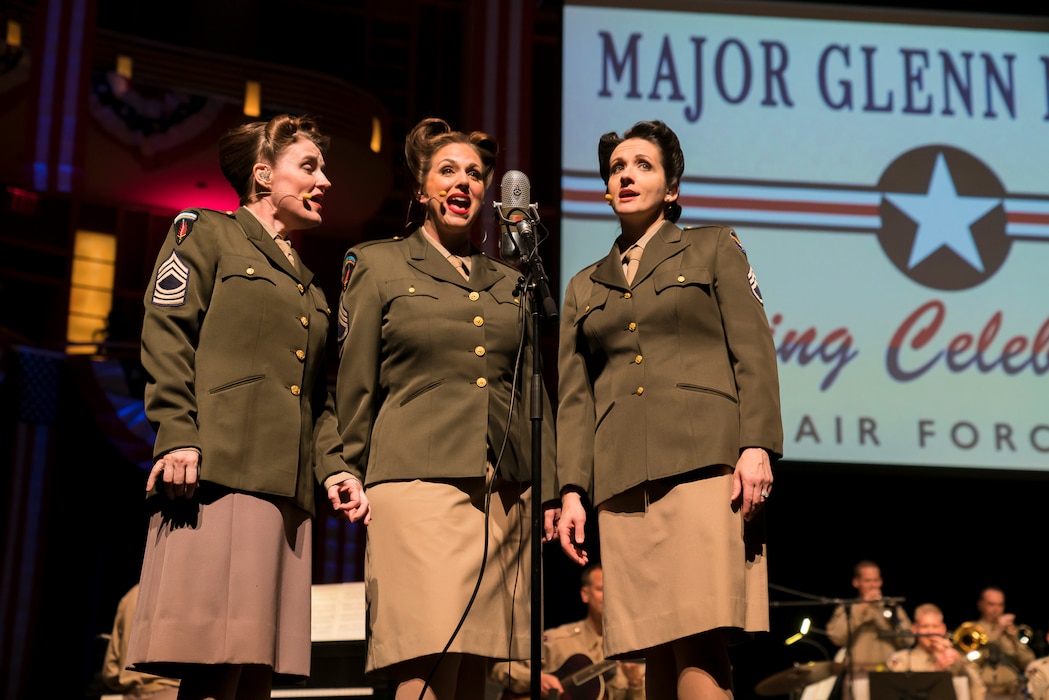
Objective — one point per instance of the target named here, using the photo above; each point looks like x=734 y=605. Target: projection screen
x=888 y=175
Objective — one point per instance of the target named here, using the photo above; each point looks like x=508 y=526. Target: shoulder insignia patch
x=183 y=224
x=739 y=245
x=753 y=279
x=172 y=282
x=348 y=263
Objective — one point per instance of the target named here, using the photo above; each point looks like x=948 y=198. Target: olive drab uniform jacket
x=429 y=384
x=233 y=343
x=671 y=373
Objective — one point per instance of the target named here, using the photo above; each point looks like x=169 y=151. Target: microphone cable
x=518 y=361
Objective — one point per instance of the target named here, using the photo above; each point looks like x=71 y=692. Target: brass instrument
x=969 y=637
x=1024 y=633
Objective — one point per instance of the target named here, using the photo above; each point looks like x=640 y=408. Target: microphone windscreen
x=514 y=212
x=516 y=191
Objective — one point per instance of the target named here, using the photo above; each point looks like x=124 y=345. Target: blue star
x=943 y=217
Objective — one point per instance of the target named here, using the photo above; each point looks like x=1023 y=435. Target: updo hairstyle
x=262 y=142
x=664 y=138
x=422 y=143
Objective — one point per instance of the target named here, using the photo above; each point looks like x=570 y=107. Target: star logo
x=943 y=220
x=941 y=215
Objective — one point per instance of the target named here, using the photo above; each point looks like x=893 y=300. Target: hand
x=752 y=481
x=634 y=672
x=946 y=655
x=571 y=528
x=551 y=516
x=548 y=682
x=1007 y=621
x=348 y=496
x=180 y=472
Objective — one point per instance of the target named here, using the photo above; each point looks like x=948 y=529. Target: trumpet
x=1024 y=633
x=969 y=637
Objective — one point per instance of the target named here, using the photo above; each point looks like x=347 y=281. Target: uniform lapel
x=484 y=273
x=667 y=243
x=261 y=239
x=305 y=274
x=609 y=271
x=428 y=260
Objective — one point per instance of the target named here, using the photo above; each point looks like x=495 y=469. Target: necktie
x=631 y=262
x=285 y=245
x=460 y=265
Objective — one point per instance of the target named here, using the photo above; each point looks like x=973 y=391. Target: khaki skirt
x=678 y=561
x=426 y=547
x=226 y=579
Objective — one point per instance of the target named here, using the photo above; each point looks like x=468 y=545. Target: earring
x=484 y=237
x=608 y=197
x=411 y=222
x=442 y=193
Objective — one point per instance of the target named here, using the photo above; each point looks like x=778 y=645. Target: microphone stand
x=846 y=603
x=538 y=286
x=850 y=669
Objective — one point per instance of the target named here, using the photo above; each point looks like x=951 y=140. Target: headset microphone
x=516 y=216
x=304 y=197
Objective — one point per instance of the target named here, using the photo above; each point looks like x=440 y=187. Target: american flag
x=34 y=385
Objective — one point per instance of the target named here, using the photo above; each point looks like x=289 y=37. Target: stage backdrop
x=886 y=173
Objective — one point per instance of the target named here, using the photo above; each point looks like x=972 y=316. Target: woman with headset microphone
x=668 y=422
x=233 y=343
x=432 y=396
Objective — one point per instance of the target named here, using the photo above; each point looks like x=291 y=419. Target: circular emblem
x=942 y=218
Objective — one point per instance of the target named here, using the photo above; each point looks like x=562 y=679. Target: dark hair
x=588 y=570
x=431 y=135
x=865 y=564
x=664 y=138
x=242 y=147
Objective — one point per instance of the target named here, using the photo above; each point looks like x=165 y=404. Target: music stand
x=911 y=685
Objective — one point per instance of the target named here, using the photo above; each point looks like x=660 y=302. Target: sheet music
x=861 y=688
x=318 y=692
x=961 y=687
x=338 y=613
x=820 y=690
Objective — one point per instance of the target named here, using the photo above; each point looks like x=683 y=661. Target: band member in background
x=572 y=653
x=1037 y=675
x=115 y=675
x=934 y=650
x=1003 y=657
x=867 y=632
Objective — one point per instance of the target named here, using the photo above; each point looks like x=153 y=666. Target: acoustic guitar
x=580 y=677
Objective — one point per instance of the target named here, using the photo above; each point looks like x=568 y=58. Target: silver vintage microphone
x=517 y=217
